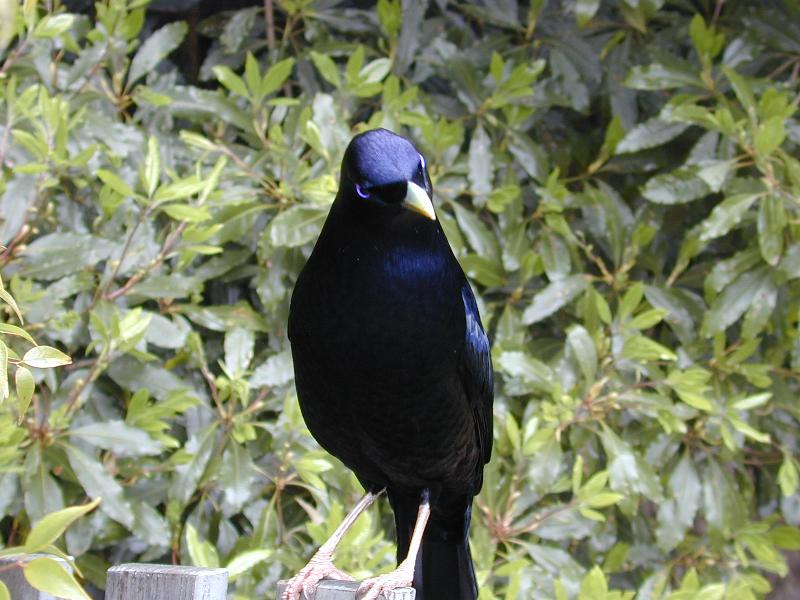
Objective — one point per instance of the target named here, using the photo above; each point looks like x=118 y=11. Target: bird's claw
x=302 y=585
x=373 y=587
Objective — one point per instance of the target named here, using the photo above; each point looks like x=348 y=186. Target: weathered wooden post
x=165 y=582
x=11 y=574
x=330 y=589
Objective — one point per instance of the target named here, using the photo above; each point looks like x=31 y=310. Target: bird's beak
x=417 y=200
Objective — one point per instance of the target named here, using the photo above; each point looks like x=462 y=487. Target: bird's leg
x=403 y=575
x=321 y=564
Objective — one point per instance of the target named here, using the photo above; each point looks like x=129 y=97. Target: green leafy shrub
x=618 y=179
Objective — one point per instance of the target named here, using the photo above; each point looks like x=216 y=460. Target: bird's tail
x=443 y=569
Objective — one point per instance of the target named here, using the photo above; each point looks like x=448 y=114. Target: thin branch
x=717 y=11
x=169 y=243
x=269 y=24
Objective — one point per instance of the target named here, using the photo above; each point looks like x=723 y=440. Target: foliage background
x=618 y=178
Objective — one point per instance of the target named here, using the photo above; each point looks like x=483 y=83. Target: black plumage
x=392 y=365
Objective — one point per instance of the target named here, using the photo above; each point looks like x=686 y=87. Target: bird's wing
x=477 y=375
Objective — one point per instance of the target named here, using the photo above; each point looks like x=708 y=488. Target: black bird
x=392 y=368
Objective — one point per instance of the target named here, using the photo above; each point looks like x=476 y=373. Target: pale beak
x=417 y=200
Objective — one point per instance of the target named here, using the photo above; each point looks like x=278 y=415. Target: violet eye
x=361 y=191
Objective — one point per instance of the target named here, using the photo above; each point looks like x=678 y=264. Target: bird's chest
x=394 y=295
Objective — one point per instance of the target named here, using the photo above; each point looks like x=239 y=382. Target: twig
x=517 y=531
x=9 y=62
x=269 y=24
x=717 y=11
x=94 y=373
x=139 y=275
x=212 y=387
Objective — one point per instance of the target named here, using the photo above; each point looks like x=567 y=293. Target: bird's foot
x=320 y=567
x=373 y=587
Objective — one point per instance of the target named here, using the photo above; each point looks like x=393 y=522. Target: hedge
x=619 y=179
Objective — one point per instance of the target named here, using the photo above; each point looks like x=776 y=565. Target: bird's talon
x=302 y=585
x=371 y=588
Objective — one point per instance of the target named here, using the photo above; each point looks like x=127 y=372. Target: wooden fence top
x=134 y=581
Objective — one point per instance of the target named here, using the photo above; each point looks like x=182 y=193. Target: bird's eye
x=361 y=191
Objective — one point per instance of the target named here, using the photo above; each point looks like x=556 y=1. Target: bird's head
x=381 y=168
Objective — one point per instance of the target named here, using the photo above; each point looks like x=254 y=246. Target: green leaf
x=114 y=182
x=706 y=41
x=754 y=401
x=742 y=89
x=8 y=299
x=485 y=271
x=185 y=212
x=157 y=46
x=252 y=75
x=9 y=9
x=238 y=346
x=296 y=226
x=99 y=483
x=552 y=298
x=732 y=303
x=16 y=331
x=584 y=351
x=375 y=70
x=786 y=537
x=749 y=430
x=628 y=471
x=715 y=172
x=686 y=489
x=50 y=527
x=276 y=370
x=594 y=585
x=275 y=77
x=327 y=68
x=477 y=233
x=390 y=16
x=23 y=381
x=152 y=166
x=650 y=134
x=585 y=11
x=647 y=319
x=245 y=561
x=202 y=552
x=53 y=25
x=231 y=80
x=49 y=576
x=520 y=364
x=661 y=77
x=631 y=300
x=119 y=437
x=769 y=136
x=678 y=187
x=45 y=357
x=726 y=215
x=501 y=197
x=481 y=169
x=640 y=348
x=757 y=316
x=771 y=222
x=691 y=385
x=788 y=476
x=236 y=476
x=188 y=474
